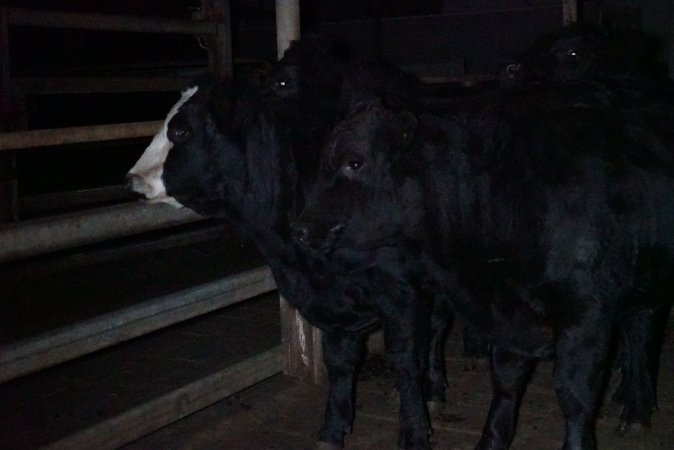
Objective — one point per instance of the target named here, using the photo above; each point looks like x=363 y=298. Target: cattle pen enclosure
x=34 y=248
x=101 y=352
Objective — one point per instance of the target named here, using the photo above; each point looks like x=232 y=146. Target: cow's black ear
x=403 y=129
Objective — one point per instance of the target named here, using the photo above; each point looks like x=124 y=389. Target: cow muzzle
x=312 y=237
x=151 y=186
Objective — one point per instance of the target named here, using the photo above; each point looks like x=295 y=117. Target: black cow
x=559 y=226
x=586 y=65
x=251 y=159
x=586 y=52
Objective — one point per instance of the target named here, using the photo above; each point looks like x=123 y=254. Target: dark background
x=429 y=37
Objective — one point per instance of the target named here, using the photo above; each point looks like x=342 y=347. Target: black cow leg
x=641 y=337
x=435 y=380
x=343 y=355
x=402 y=350
x=509 y=375
x=475 y=347
x=578 y=378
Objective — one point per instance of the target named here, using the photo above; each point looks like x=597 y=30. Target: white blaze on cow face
x=146 y=174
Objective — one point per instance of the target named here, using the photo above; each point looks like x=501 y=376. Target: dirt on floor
x=282 y=413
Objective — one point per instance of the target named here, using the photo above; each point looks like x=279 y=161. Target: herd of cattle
x=542 y=211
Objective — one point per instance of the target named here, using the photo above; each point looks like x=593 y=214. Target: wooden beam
x=106 y=22
x=87 y=336
x=12 y=117
x=96 y=85
x=40 y=236
x=151 y=416
x=304 y=350
x=287 y=24
x=40 y=203
x=303 y=342
x=77 y=135
x=219 y=44
x=570 y=11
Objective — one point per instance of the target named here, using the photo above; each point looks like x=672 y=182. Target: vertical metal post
x=220 y=44
x=570 y=11
x=303 y=342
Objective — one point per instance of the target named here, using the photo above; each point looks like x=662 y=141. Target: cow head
x=186 y=164
x=354 y=203
x=325 y=77
x=310 y=73
x=145 y=176
x=584 y=51
x=566 y=55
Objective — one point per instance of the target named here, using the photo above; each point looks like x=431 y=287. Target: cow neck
x=270 y=185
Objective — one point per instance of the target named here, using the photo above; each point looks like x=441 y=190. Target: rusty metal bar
x=75 y=135
x=106 y=22
x=100 y=332
x=50 y=234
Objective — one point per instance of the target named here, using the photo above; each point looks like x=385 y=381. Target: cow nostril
x=129 y=182
x=301 y=233
x=513 y=69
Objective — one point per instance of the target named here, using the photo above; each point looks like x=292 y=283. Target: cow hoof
x=328 y=446
x=435 y=408
x=631 y=430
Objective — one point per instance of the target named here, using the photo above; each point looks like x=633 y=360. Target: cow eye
x=571 y=53
x=178 y=133
x=354 y=164
x=280 y=84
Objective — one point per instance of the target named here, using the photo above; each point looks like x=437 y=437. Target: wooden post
x=220 y=44
x=287 y=24
x=570 y=11
x=12 y=117
x=303 y=342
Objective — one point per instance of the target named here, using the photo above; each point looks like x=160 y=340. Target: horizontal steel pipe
x=50 y=234
x=127 y=323
x=75 y=135
x=106 y=22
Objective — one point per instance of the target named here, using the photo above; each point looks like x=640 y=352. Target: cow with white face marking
x=146 y=174
x=251 y=159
